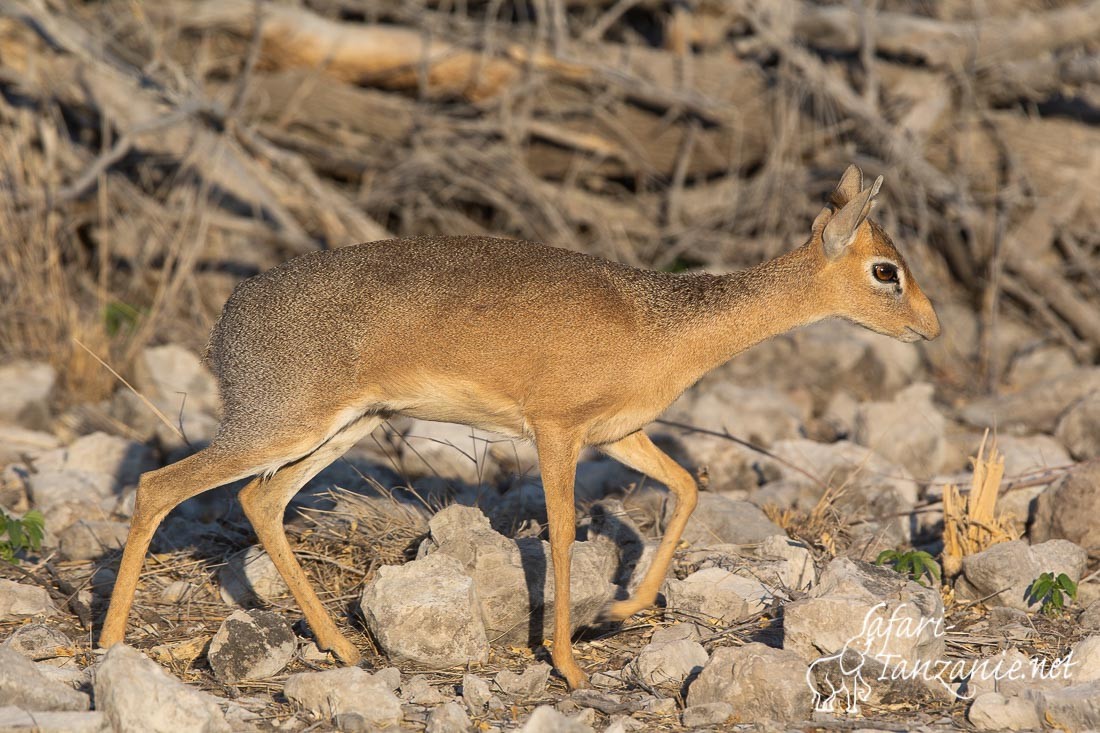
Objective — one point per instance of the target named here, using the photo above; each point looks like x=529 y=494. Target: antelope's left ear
x=851 y=183
x=841 y=229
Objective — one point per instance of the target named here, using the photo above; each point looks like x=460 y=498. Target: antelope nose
x=930 y=328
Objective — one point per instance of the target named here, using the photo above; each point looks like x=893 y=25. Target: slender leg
x=265 y=500
x=638 y=452
x=558 y=461
x=158 y=493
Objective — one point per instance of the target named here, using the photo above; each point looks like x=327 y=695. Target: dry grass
x=971 y=524
x=821 y=527
x=62 y=284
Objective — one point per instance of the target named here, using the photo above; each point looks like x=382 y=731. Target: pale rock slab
x=759 y=682
x=426 y=612
x=137 y=694
x=349 y=691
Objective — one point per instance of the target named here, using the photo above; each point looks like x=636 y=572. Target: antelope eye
x=885 y=273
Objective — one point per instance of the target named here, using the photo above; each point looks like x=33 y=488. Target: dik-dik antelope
x=527 y=340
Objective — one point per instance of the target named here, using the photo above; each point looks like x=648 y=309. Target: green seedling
x=1051 y=591
x=915 y=563
x=19 y=534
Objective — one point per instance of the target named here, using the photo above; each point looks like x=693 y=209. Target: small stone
x=137 y=694
x=546 y=719
x=728 y=466
x=426 y=612
x=352 y=723
x=1090 y=617
x=1031 y=366
x=1079 y=428
x=20 y=444
x=178 y=383
x=1025 y=455
x=71 y=676
x=95 y=467
x=310 y=652
x=390 y=677
x=675 y=632
x=22 y=685
x=587 y=716
x=606 y=702
x=717 y=594
x=668 y=659
x=1076 y=707
x=88 y=540
x=16 y=720
x=501 y=569
x=994 y=711
x=19 y=601
x=250 y=577
x=623 y=724
x=907 y=430
x=475 y=693
x=603 y=476
x=346 y=691
x=60 y=515
x=1003 y=574
x=25 y=389
x=251 y=645
x=718 y=519
x=611 y=679
x=526 y=685
x=760 y=683
x=1086 y=660
x=38 y=642
x=448 y=718
x=710 y=713
x=1067 y=510
x=660 y=706
x=1035 y=409
x=418 y=691
x=176 y=591
x=798 y=572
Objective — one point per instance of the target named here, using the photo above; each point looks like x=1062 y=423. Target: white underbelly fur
x=457 y=401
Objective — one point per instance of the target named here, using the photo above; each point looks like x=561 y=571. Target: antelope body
x=527 y=340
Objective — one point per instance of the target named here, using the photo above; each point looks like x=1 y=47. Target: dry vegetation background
x=152 y=155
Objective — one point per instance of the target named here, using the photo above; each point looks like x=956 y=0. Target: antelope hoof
x=108 y=638
x=574 y=677
x=622 y=610
x=345 y=651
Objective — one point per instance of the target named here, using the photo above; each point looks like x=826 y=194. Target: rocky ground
x=427 y=544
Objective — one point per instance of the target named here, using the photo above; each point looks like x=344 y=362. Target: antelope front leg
x=638 y=452
x=558 y=461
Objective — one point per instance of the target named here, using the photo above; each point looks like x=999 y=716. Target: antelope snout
x=928 y=327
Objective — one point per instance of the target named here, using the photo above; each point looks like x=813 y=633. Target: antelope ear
x=851 y=183
x=841 y=229
x=821 y=220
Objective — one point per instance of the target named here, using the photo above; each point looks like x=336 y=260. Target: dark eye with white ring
x=885 y=272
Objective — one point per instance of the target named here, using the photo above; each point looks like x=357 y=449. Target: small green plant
x=1051 y=591
x=20 y=534
x=119 y=317
x=914 y=563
